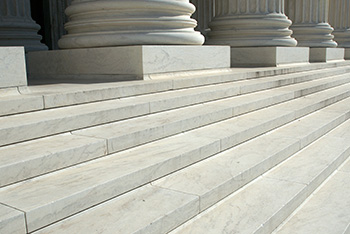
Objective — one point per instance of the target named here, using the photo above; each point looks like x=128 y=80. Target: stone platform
x=126 y=62
x=326 y=54
x=268 y=56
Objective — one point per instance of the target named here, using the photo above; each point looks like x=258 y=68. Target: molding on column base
x=13 y=67
x=124 y=63
x=268 y=56
x=326 y=54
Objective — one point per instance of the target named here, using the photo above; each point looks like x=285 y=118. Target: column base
x=326 y=54
x=125 y=63
x=347 y=54
x=12 y=67
x=268 y=56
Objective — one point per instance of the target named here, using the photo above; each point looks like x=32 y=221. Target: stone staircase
x=223 y=151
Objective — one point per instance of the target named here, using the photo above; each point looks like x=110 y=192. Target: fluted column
x=17 y=27
x=310 y=22
x=204 y=14
x=96 y=23
x=247 y=23
x=339 y=18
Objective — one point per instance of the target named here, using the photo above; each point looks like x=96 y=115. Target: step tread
x=327 y=210
x=212 y=180
x=25 y=160
x=52 y=197
x=143 y=207
x=263 y=204
x=68 y=191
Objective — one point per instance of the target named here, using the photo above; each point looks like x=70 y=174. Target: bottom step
x=327 y=211
x=266 y=202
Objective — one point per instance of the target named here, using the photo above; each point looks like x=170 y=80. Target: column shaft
x=17 y=28
x=310 y=22
x=339 y=18
x=130 y=22
x=204 y=14
x=247 y=23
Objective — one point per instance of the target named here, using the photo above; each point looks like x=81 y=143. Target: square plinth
x=125 y=63
x=12 y=67
x=268 y=56
x=326 y=54
x=347 y=54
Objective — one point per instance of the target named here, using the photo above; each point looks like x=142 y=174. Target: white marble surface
x=136 y=62
x=326 y=54
x=314 y=164
x=268 y=56
x=29 y=159
x=69 y=94
x=129 y=133
x=12 y=66
x=221 y=175
x=48 y=122
x=326 y=212
x=250 y=210
x=11 y=221
x=49 y=198
x=17 y=103
x=144 y=210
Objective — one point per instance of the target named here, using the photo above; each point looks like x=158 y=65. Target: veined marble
x=12 y=67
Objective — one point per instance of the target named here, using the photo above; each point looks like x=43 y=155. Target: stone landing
x=125 y=63
x=268 y=56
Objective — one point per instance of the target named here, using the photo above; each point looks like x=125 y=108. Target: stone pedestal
x=268 y=56
x=326 y=54
x=310 y=23
x=12 y=67
x=17 y=28
x=125 y=63
x=109 y=23
x=339 y=17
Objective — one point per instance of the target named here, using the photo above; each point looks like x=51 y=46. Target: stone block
x=347 y=54
x=268 y=56
x=326 y=54
x=125 y=63
x=12 y=67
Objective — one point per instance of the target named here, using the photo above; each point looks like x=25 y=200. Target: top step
x=40 y=96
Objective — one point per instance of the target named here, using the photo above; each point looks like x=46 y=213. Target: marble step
x=207 y=182
x=54 y=121
x=52 y=197
x=265 y=203
x=55 y=95
x=32 y=158
x=327 y=209
x=29 y=159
